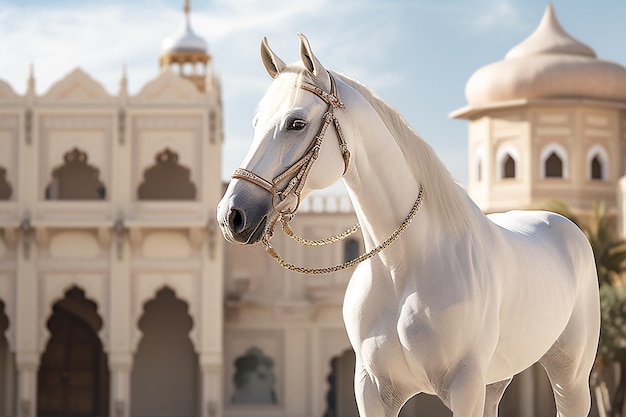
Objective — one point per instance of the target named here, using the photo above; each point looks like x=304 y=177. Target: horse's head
x=288 y=158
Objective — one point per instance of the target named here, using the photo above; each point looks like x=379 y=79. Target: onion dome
x=185 y=39
x=550 y=63
x=186 y=52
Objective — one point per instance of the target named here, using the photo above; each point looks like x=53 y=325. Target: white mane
x=449 y=200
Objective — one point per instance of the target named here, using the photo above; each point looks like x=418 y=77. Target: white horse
x=460 y=302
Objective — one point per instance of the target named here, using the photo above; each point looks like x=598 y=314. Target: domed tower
x=186 y=52
x=548 y=121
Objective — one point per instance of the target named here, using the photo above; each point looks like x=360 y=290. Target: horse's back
x=546 y=239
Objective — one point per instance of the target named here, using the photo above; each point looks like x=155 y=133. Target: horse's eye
x=296 y=125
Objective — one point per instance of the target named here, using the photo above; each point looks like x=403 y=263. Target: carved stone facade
x=73 y=221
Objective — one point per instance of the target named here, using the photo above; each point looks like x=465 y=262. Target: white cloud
x=491 y=14
x=57 y=40
x=355 y=37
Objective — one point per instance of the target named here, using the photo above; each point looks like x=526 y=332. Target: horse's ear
x=308 y=59
x=272 y=63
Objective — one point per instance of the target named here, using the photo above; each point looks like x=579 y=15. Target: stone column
x=211 y=390
x=120 y=322
x=120 y=365
x=211 y=322
x=27 y=366
x=27 y=322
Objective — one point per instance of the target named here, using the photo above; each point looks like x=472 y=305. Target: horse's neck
x=383 y=187
x=379 y=181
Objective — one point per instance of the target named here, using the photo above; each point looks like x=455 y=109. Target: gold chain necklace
x=319 y=271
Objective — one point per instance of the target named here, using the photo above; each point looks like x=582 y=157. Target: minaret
x=186 y=52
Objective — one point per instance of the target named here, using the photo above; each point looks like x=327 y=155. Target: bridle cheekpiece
x=297 y=173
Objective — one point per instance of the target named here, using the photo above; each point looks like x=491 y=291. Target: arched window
x=554 y=162
x=596 y=168
x=597 y=164
x=5 y=187
x=75 y=179
x=254 y=379
x=340 y=399
x=509 y=167
x=166 y=180
x=350 y=250
x=554 y=166
x=507 y=162
x=479 y=157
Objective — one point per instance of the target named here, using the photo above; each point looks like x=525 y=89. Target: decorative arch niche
x=340 y=398
x=75 y=179
x=478 y=168
x=597 y=164
x=254 y=379
x=350 y=249
x=554 y=162
x=167 y=179
x=507 y=163
x=5 y=188
x=7 y=366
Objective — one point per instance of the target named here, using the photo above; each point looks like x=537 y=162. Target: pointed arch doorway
x=165 y=374
x=8 y=378
x=73 y=377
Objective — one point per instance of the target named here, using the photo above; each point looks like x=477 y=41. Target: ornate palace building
x=547 y=121
x=119 y=297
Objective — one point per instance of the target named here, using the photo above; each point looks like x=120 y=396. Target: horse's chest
x=378 y=329
x=398 y=339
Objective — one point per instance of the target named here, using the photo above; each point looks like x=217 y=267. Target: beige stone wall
x=119 y=251
x=577 y=131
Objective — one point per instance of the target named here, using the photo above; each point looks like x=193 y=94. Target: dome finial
x=30 y=83
x=550 y=38
x=123 y=83
x=187 y=9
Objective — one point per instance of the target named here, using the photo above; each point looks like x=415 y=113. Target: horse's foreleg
x=467 y=391
x=374 y=397
x=493 y=396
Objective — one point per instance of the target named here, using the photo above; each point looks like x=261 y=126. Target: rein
x=298 y=172
x=327 y=270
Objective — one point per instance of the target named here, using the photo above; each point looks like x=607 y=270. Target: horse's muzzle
x=242 y=218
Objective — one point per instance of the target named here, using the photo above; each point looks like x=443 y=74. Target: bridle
x=297 y=175
x=299 y=171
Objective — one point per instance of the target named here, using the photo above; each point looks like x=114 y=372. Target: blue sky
x=417 y=55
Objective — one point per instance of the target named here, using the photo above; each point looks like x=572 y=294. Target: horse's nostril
x=236 y=220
